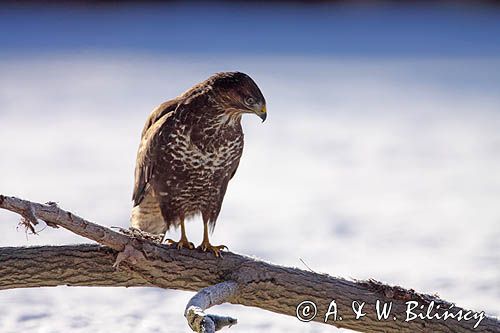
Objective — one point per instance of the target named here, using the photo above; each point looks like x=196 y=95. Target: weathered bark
x=259 y=284
x=72 y=265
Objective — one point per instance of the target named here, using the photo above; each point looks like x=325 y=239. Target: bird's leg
x=183 y=242
x=205 y=246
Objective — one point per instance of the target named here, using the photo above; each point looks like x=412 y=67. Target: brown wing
x=158 y=124
x=159 y=112
x=225 y=183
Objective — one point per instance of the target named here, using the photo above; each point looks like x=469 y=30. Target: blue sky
x=224 y=28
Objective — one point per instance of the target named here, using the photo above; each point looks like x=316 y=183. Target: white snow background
x=383 y=166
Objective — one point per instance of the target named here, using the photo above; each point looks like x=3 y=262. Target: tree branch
x=206 y=298
x=254 y=283
x=72 y=265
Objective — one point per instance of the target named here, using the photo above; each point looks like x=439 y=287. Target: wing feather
x=159 y=124
x=159 y=112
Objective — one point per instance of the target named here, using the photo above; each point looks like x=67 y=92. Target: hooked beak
x=262 y=113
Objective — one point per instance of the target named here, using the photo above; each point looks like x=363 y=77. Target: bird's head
x=239 y=93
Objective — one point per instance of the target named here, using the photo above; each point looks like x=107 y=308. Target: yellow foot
x=216 y=250
x=182 y=243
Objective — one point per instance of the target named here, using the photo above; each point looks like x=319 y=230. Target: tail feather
x=147 y=216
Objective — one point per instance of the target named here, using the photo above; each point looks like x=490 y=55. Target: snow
x=381 y=167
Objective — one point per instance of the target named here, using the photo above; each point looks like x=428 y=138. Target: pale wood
x=259 y=284
x=195 y=314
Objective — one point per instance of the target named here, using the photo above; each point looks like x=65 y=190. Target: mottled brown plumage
x=190 y=149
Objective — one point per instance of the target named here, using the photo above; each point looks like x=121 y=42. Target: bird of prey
x=190 y=149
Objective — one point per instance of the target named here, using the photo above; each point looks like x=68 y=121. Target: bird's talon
x=216 y=250
x=182 y=243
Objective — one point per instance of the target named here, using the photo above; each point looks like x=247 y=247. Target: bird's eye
x=249 y=101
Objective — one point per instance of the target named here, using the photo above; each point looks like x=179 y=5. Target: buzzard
x=190 y=148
